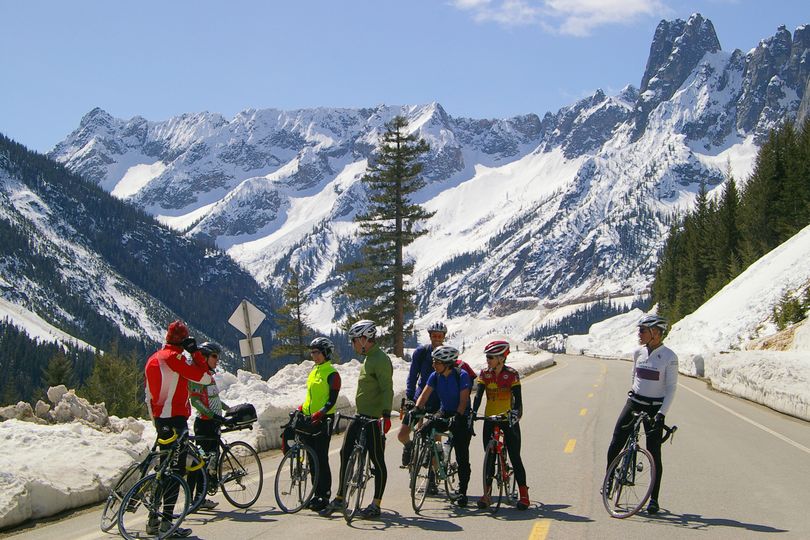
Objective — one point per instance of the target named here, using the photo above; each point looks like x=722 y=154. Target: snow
x=718 y=340
x=137 y=177
x=35 y=326
x=49 y=468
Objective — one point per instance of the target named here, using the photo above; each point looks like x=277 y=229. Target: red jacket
x=167 y=375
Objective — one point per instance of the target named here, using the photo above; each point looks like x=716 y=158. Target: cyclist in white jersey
x=655 y=377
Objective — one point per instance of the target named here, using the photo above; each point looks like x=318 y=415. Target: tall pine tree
x=378 y=282
x=293 y=331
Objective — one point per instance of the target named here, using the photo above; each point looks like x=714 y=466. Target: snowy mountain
x=81 y=266
x=531 y=213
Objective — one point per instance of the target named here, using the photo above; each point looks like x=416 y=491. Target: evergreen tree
x=293 y=331
x=378 y=278
x=118 y=382
x=59 y=371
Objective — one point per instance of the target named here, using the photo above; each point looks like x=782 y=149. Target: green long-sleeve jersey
x=375 y=386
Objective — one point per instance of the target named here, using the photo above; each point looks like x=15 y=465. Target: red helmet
x=497 y=348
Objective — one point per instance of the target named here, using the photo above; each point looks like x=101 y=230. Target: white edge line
x=788 y=440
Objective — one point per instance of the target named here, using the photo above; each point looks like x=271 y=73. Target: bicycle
x=297 y=475
x=142 y=511
x=431 y=455
x=238 y=473
x=630 y=478
x=497 y=468
x=358 y=468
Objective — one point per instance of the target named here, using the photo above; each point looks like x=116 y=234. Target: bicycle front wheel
x=197 y=476
x=240 y=474
x=493 y=472
x=296 y=478
x=451 y=475
x=355 y=480
x=628 y=482
x=420 y=473
x=109 y=516
x=154 y=507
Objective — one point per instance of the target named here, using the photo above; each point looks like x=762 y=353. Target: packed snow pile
x=67 y=407
x=46 y=469
x=715 y=341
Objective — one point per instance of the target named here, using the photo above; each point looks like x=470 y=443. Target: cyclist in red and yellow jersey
x=502 y=387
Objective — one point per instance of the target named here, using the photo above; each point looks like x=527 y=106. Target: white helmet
x=652 y=320
x=363 y=328
x=437 y=326
x=445 y=354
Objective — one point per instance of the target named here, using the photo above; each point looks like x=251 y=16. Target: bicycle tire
x=510 y=482
x=145 y=499
x=296 y=478
x=451 y=480
x=420 y=475
x=492 y=463
x=628 y=482
x=355 y=480
x=198 y=468
x=109 y=516
x=240 y=474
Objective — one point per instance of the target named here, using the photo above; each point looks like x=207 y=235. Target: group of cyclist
x=438 y=382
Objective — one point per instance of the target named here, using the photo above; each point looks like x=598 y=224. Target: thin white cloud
x=572 y=17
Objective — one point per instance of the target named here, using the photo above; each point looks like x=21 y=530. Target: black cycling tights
x=511 y=436
x=165 y=427
x=624 y=426
x=375 y=443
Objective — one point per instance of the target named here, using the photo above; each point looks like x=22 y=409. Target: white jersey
x=655 y=375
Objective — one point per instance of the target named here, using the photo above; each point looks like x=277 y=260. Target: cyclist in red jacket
x=168 y=372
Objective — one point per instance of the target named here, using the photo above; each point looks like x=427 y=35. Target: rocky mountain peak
x=676 y=49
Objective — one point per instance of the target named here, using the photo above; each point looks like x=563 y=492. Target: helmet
x=653 y=320
x=445 y=354
x=497 y=348
x=437 y=326
x=209 y=347
x=324 y=345
x=363 y=328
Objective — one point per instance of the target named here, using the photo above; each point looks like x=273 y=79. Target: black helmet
x=324 y=345
x=209 y=347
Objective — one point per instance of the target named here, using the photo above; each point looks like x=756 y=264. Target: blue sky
x=478 y=58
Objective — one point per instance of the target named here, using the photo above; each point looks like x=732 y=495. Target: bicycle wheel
x=492 y=477
x=420 y=473
x=197 y=475
x=628 y=482
x=109 y=516
x=145 y=511
x=296 y=478
x=240 y=474
x=451 y=475
x=510 y=482
x=355 y=481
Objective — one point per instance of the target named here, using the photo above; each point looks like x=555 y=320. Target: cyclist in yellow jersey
x=502 y=387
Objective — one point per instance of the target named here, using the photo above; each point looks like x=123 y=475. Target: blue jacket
x=421 y=368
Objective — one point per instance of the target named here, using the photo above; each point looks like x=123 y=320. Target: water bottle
x=446 y=446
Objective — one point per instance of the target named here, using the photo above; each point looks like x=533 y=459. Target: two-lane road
x=735 y=470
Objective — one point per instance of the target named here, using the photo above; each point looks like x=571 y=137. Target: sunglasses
x=492 y=356
x=214 y=356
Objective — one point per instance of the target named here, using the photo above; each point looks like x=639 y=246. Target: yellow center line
x=569 y=447
x=540 y=530
x=583 y=412
x=596 y=386
x=590 y=395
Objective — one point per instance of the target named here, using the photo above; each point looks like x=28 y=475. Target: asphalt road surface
x=735 y=470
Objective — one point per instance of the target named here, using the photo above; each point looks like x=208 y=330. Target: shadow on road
x=698 y=522
x=540 y=510
x=236 y=515
x=391 y=519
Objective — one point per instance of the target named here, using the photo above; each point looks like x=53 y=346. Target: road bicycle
x=145 y=511
x=358 y=467
x=238 y=472
x=431 y=457
x=297 y=475
x=499 y=476
x=630 y=478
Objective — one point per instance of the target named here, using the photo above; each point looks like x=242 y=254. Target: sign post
x=246 y=318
